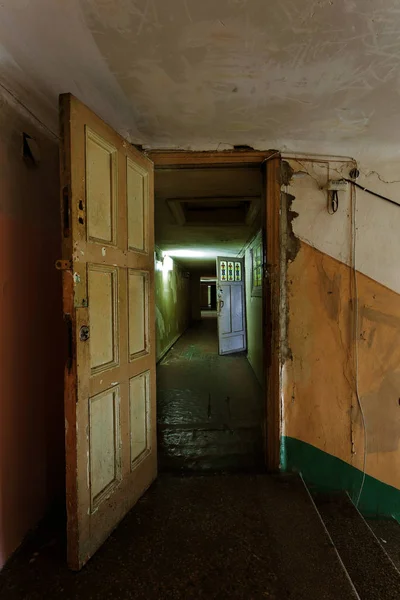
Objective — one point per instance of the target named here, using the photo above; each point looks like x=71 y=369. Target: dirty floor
x=210 y=407
x=388 y=533
x=213 y=537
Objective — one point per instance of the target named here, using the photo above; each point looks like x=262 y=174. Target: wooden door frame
x=182 y=159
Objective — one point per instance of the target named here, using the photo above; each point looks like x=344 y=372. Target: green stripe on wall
x=324 y=472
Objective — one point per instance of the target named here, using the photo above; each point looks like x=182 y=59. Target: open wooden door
x=231 y=305
x=108 y=287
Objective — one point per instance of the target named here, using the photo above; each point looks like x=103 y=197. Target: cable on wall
x=353 y=197
x=32 y=114
x=368 y=191
x=332 y=207
x=355 y=186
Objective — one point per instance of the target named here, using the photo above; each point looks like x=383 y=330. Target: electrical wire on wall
x=354 y=186
x=353 y=200
x=332 y=207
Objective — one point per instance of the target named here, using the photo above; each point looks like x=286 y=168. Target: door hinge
x=64 y=265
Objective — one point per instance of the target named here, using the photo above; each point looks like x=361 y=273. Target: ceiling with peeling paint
x=296 y=75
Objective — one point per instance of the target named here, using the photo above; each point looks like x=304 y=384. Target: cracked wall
x=331 y=316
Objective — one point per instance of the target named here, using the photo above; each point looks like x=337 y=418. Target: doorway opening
x=208 y=296
x=210 y=236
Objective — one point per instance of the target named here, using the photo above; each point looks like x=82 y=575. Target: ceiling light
x=189 y=253
x=168 y=263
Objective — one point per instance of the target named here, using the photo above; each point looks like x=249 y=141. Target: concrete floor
x=203 y=537
x=210 y=407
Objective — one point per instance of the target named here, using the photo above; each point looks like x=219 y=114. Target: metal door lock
x=84 y=333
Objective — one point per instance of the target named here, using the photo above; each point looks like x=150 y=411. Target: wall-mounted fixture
x=333 y=187
x=336 y=185
x=185 y=253
x=30 y=149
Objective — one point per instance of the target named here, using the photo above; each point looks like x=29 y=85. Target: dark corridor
x=210 y=407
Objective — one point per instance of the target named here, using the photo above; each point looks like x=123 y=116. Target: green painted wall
x=324 y=472
x=172 y=290
x=254 y=318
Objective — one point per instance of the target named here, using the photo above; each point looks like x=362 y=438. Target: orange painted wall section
x=320 y=405
x=31 y=341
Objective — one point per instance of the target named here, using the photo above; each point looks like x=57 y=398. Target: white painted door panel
x=230 y=304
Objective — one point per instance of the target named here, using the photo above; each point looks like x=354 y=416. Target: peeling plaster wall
x=172 y=307
x=320 y=405
x=32 y=344
x=254 y=318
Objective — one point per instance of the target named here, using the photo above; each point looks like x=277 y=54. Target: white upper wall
x=377 y=221
x=320 y=76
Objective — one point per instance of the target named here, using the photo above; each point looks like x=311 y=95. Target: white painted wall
x=377 y=222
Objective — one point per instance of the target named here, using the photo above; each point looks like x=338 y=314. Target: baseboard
x=168 y=348
x=324 y=472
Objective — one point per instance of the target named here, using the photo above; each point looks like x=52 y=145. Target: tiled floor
x=210 y=407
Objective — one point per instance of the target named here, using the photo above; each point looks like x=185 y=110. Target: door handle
x=220 y=306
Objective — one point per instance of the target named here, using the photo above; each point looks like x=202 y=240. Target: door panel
x=237 y=315
x=101 y=188
x=138 y=313
x=224 y=313
x=103 y=316
x=137 y=192
x=108 y=288
x=105 y=448
x=139 y=413
x=230 y=305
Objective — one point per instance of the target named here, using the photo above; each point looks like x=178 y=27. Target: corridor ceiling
x=296 y=75
x=216 y=238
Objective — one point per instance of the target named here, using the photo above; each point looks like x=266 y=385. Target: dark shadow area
x=209 y=537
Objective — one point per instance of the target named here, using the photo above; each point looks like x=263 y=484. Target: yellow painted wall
x=172 y=306
x=320 y=404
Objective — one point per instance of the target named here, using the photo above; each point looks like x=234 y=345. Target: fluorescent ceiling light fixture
x=184 y=253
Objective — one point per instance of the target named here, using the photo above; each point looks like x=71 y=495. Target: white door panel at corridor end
x=231 y=305
x=108 y=279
